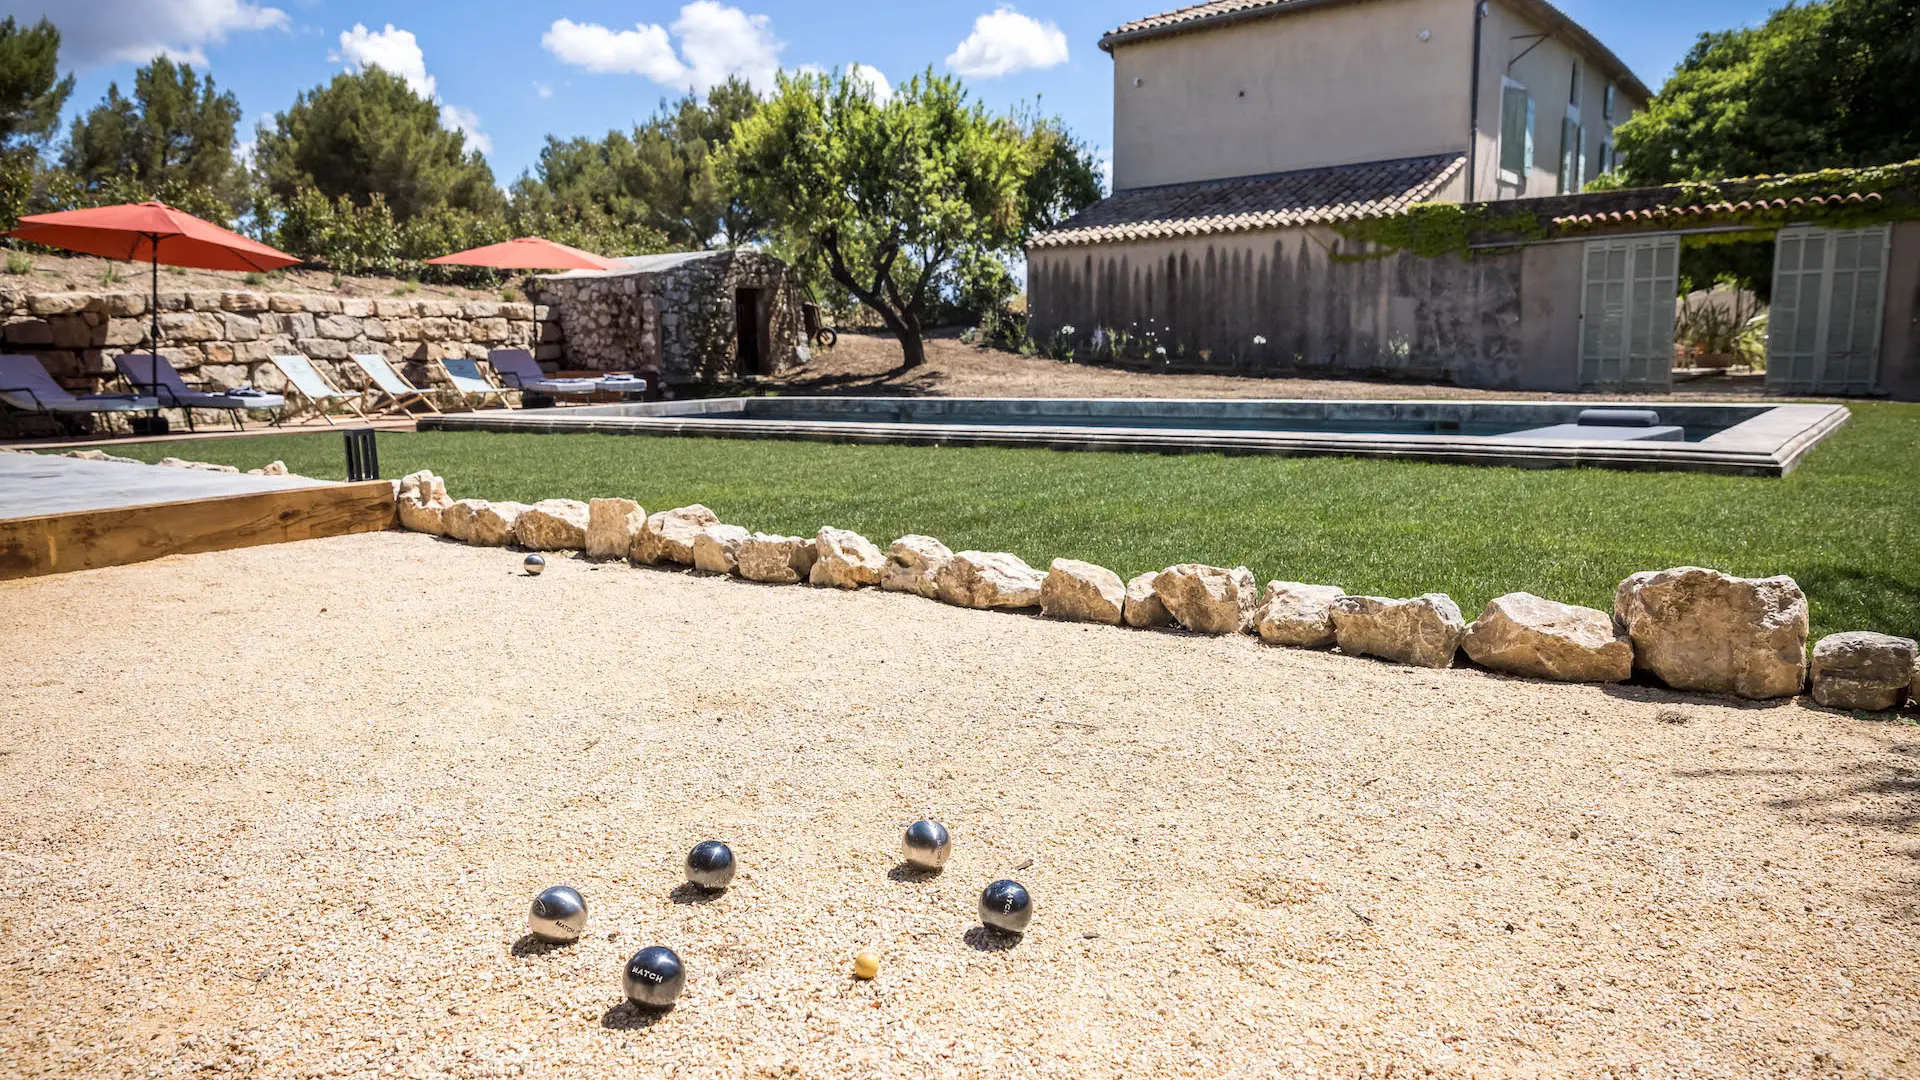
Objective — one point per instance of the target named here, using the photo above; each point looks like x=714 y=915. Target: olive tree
x=895 y=199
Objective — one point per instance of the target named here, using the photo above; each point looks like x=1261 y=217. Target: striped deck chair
x=468 y=381
x=381 y=377
x=301 y=374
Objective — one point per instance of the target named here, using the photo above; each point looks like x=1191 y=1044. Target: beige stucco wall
x=1346 y=83
x=1285 y=301
x=1546 y=70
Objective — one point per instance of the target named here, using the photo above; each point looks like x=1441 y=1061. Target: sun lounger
x=26 y=387
x=470 y=383
x=155 y=375
x=301 y=374
x=518 y=369
x=382 y=377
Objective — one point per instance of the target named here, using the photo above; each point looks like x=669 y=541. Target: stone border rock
x=1691 y=628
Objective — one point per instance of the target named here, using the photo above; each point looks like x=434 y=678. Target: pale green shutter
x=1824 y=331
x=1516 y=131
x=1627 y=313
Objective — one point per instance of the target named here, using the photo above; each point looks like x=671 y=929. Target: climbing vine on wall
x=1837 y=198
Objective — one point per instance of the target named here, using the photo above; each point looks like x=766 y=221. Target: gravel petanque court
x=281 y=811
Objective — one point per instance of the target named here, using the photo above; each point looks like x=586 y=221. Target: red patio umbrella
x=528 y=253
x=151 y=232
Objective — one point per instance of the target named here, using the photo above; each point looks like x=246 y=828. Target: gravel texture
x=281 y=811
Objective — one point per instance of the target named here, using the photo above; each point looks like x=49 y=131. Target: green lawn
x=1845 y=525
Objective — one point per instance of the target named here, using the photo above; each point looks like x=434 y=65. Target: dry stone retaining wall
x=226 y=337
x=1719 y=624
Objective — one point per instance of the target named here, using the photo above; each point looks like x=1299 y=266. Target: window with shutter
x=1516 y=133
x=1572 y=157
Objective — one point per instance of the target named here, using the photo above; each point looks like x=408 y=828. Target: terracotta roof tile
x=1305 y=197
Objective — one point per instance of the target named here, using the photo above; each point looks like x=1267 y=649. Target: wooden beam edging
x=91 y=539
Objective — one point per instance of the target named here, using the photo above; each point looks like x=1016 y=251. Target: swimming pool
x=1748 y=439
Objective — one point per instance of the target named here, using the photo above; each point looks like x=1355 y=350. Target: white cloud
x=876 y=81
x=719 y=41
x=644 y=50
x=714 y=43
x=397 y=52
x=1005 y=41
x=545 y=90
x=96 y=32
x=467 y=123
x=882 y=89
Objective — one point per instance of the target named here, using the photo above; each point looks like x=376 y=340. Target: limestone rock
x=667 y=537
x=457 y=518
x=1424 y=631
x=553 y=525
x=716 y=550
x=494 y=522
x=201 y=466
x=1144 y=608
x=1700 y=629
x=1298 y=615
x=1522 y=634
x=778 y=560
x=1082 y=592
x=846 y=560
x=422 y=501
x=988 y=579
x=612 y=527
x=912 y=563
x=1208 y=599
x=1869 y=672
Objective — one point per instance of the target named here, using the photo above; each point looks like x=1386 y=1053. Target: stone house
x=695 y=317
x=1244 y=130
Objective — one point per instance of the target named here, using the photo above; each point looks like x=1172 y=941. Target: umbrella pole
x=153 y=336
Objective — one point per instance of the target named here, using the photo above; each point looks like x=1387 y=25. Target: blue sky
x=513 y=72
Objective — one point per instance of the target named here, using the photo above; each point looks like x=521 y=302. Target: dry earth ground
x=279 y=812
x=869 y=363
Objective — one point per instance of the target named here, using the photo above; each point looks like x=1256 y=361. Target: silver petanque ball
x=1005 y=906
x=710 y=865
x=927 y=844
x=654 y=977
x=535 y=564
x=558 y=916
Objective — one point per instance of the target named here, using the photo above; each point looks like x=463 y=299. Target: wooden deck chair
x=470 y=383
x=301 y=375
x=382 y=378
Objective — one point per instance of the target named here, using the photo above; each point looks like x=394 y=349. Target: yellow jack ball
x=866 y=965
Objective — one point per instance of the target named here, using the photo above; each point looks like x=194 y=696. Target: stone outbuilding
x=680 y=318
